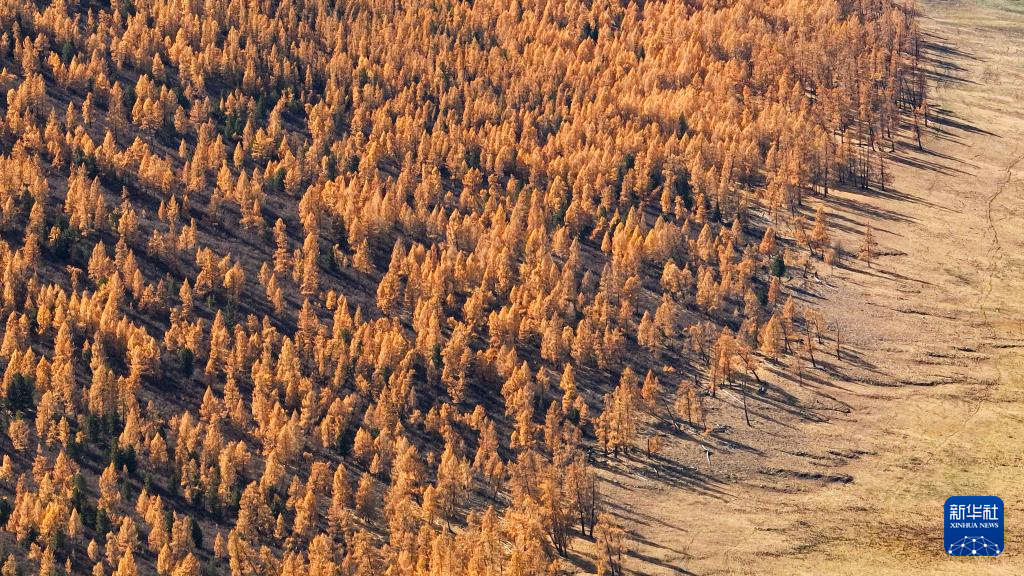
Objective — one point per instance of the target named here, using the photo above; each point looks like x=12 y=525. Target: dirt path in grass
x=846 y=468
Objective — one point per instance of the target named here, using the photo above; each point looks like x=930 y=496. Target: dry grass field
x=845 y=470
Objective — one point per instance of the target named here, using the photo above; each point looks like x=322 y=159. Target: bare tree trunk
x=754 y=373
x=746 y=413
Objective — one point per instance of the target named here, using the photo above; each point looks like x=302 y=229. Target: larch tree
x=310 y=266
x=618 y=422
x=366 y=496
x=555 y=500
x=650 y=392
x=583 y=493
x=819 y=235
x=453 y=478
x=610 y=547
x=523 y=526
x=487 y=462
x=770 y=338
x=868 y=246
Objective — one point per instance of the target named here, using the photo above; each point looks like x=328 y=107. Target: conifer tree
x=868 y=246
x=310 y=267
x=610 y=546
x=770 y=338
x=453 y=479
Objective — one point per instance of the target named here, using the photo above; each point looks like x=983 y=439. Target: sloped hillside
x=355 y=287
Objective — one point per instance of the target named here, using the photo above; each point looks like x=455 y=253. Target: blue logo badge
x=974 y=526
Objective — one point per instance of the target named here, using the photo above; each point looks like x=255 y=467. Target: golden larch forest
x=379 y=288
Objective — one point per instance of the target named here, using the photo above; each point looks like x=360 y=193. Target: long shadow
x=776 y=400
x=629 y=516
x=664 y=470
x=926 y=165
x=949 y=119
x=842 y=221
x=940 y=56
x=717 y=436
x=939 y=77
x=621 y=511
x=887 y=193
x=936 y=44
x=722 y=440
x=868 y=210
x=660 y=562
x=874 y=272
x=935 y=153
x=580 y=561
x=892 y=275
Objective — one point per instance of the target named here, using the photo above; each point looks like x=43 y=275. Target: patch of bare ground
x=846 y=465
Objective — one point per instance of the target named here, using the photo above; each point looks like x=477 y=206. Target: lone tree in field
x=868 y=246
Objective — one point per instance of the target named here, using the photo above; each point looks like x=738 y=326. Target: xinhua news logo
x=974 y=526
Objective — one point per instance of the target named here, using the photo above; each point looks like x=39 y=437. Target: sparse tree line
x=366 y=289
